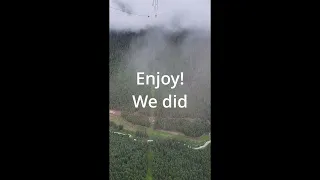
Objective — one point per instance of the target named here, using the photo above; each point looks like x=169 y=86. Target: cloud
x=123 y=7
x=171 y=14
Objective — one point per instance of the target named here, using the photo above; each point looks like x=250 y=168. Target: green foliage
x=115 y=126
x=173 y=160
x=158 y=160
x=141 y=134
x=128 y=159
x=193 y=128
x=124 y=114
x=136 y=119
x=112 y=124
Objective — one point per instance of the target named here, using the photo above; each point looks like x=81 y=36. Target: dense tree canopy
x=190 y=127
x=127 y=158
x=173 y=160
x=137 y=119
x=165 y=159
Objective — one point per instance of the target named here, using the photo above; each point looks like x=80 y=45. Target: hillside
x=155 y=50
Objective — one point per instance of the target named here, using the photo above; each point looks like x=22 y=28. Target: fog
x=171 y=14
x=177 y=40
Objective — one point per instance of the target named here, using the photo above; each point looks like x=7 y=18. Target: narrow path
x=203 y=146
x=149 y=170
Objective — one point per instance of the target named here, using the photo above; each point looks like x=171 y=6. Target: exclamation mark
x=181 y=78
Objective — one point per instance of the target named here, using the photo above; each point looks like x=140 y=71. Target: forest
x=155 y=50
x=128 y=159
x=173 y=160
x=157 y=160
x=137 y=119
x=189 y=127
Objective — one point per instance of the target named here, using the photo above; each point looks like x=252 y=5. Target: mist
x=168 y=45
x=171 y=15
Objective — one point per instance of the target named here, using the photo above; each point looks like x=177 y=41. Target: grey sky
x=172 y=14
